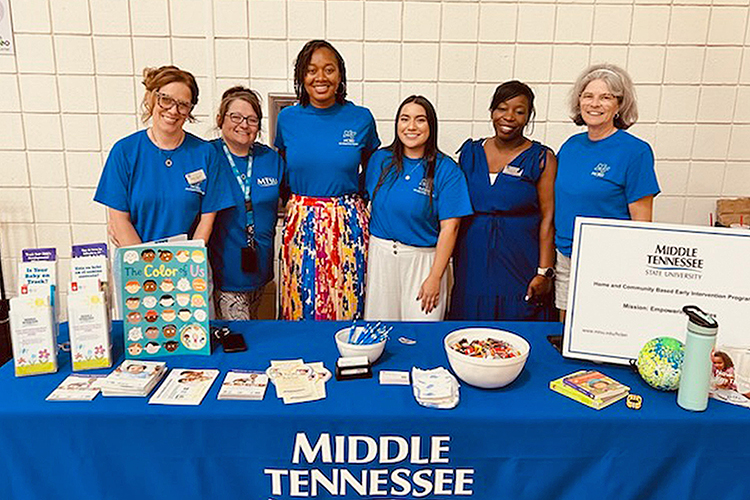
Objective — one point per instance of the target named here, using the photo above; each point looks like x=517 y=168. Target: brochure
x=32 y=330
x=133 y=378
x=38 y=268
x=297 y=382
x=88 y=323
x=247 y=385
x=77 y=388
x=184 y=387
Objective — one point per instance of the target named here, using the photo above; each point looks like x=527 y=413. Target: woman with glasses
x=162 y=181
x=325 y=139
x=241 y=248
x=602 y=172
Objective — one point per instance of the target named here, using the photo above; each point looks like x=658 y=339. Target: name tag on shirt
x=512 y=170
x=196 y=177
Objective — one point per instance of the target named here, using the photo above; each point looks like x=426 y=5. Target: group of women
x=369 y=232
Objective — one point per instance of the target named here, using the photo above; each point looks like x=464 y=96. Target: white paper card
x=392 y=377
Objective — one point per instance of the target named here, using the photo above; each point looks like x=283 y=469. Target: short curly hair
x=619 y=83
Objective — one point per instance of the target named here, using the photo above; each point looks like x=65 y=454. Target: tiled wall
x=73 y=87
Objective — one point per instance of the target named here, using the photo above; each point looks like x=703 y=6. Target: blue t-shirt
x=228 y=236
x=324 y=147
x=162 y=201
x=599 y=179
x=401 y=208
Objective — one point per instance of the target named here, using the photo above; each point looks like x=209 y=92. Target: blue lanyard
x=245 y=181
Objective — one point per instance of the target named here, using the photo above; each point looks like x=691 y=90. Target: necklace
x=408 y=175
x=167 y=156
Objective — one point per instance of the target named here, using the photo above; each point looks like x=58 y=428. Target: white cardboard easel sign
x=629 y=281
x=6 y=32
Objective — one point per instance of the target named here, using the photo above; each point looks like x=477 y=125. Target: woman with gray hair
x=603 y=172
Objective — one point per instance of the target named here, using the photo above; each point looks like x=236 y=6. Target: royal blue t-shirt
x=162 y=201
x=599 y=179
x=228 y=236
x=401 y=208
x=324 y=147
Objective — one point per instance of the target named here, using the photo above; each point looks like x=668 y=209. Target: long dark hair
x=431 y=151
x=300 y=70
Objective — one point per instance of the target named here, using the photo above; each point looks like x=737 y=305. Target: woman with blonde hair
x=241 y=249
x=602 y=172
x=163 y=181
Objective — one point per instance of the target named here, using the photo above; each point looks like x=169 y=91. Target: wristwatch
x=547 y=272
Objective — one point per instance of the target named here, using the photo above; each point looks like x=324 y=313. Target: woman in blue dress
x=241 y=247
x=504 y=256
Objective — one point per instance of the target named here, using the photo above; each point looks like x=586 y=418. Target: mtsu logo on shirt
x=349 y=138
x=267 y=181
x=422 y=188
x=600 y=170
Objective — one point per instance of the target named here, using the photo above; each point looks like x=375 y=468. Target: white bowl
x=482 y=372
x=372 y=351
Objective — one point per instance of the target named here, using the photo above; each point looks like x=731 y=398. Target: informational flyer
x=630 y=280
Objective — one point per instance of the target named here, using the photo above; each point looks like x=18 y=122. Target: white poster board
x=6 y=32
x=630 y=280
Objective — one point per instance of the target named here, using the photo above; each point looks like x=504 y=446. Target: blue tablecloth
x=520 y=442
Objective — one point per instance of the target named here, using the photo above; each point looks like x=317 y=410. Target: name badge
x=512 y=170
x=196 y=177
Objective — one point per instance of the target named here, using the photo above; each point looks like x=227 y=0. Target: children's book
x=164 y=299
x=559 y=386
x=595 y=384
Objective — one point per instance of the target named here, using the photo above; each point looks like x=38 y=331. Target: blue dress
x=497 y=250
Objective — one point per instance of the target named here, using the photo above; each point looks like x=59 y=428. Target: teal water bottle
x=695 y=376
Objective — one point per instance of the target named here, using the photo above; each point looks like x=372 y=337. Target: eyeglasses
x=606 y=98
x=167 y=102
x=237 y=119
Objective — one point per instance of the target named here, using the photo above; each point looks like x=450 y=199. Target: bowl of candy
x=363 y=340
x=486 y=357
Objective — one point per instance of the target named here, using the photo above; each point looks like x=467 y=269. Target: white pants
x=562 y=280
x=395 y=273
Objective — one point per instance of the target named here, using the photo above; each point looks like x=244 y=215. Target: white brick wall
x=73 y=87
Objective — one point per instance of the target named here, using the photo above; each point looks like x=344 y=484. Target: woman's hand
x=539 y=286
x=120 y=230
x=429 y=294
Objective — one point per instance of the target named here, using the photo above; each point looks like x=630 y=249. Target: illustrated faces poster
x=165 y=300
x=630 y=281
